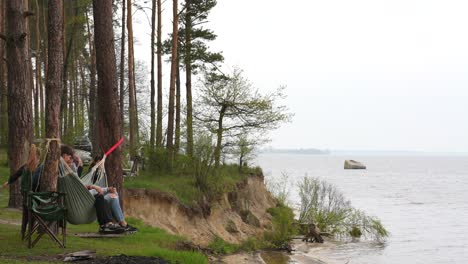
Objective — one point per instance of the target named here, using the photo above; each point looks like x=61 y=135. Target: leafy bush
x=324 y=205
x=203 y=160
x=219 y=246
x=283 y=226
x=158 y=161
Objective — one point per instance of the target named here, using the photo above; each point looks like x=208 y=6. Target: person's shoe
x=111 y=229
x=130 y=229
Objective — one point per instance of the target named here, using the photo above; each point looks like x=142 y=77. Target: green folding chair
x=46 y=214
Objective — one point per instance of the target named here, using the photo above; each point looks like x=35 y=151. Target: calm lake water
x=421 y=200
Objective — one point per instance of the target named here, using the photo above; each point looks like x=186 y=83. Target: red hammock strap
x=114 y=147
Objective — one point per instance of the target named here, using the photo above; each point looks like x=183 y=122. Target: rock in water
x=352 y=164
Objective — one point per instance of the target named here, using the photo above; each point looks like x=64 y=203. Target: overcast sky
x=360 y=74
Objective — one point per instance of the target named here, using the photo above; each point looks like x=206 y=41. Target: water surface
x=421 y=200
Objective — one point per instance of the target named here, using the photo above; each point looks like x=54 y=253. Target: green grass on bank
x=148 y=241
x=183 y=186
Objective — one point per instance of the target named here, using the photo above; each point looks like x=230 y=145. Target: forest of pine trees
x=59 y=79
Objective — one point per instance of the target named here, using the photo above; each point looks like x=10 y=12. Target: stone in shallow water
x=352 y=164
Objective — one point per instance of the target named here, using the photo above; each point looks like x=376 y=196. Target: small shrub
x=158 y=161
x=283 y=226
x=325 y=206
x=219 y=246
x=250 y=244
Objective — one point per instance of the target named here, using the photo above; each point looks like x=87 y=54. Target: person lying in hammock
x=107 y=200
x=72 y=160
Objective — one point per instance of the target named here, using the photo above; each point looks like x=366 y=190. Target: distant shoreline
x=309 y=151
x=313 y=151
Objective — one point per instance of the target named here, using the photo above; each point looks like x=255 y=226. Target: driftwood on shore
x=311 y=233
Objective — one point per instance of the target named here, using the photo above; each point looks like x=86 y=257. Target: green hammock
x=78 y=200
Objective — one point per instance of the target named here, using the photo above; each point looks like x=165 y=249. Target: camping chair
x=46 y=214
x=133 y=171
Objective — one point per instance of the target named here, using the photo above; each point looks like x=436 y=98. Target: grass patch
x=182 y=185
x=148 y=241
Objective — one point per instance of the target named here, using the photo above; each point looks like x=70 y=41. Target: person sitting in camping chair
x=29 y=174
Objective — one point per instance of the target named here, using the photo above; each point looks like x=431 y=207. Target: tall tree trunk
x=219 y=136
x=188 y=77
x=177 y=109
x=159 y=135
x=63 y=105
x=84 y=102
x=54 y=84
x=20 y=126
x=153 y=88
x=170 y=118
x=76 y=98
x=44 y=58
x=109 y=121
x=28 y=58
x=131 y=83
x=37 y=119
x=3 y=86
x=94 y=135
x=38 y=95
x=122 y=68
x=70 y=126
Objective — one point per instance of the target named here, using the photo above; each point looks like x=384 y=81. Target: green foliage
x=219 y=246
x=3 y=158
x=203 y=161
x=230 y=106
x=324 y=205
x=148 y=241
x=283 y=226
x=158 y=161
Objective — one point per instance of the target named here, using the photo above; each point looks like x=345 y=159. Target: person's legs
x=117 y=213
x=114 y=204
x=103 y=213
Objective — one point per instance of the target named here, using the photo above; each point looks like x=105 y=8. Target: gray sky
x=362 y=74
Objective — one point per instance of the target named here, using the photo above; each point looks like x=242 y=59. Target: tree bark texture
x=159 y=113
x=188 y=78
x=92 y=116
x=131 y=83
x=170 y=117
x=20 y=130
x=38 y=90
x=3 y=80
x=122 y=68
x=54 y=82
x=44 y=60
x=153 y=88
x=109 y=122
x=177 y=110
